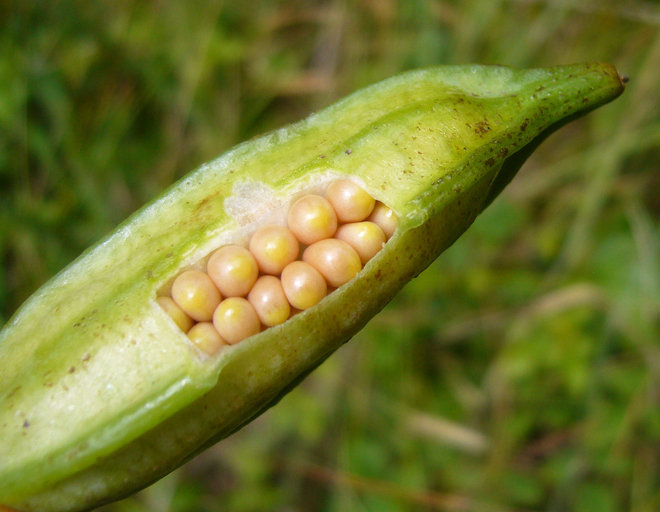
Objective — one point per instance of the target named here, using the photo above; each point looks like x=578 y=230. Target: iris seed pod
x=101 y=393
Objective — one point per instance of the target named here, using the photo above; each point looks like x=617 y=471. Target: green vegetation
x=520 y=372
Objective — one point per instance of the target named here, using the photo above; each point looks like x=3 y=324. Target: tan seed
x=235 y=319
x=312 y=218
x=183 y=321
x=385 y=218
x=274 y=247
x=365 y=237
x=268 y=300
x=194 y=292
x=350 y=201
x=233 y=269
x=303 y=285
x=206 y=338
x=334 y=259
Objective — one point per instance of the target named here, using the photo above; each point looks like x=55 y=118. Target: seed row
x=283 y=270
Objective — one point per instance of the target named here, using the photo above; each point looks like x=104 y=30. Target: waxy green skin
x=101 y=394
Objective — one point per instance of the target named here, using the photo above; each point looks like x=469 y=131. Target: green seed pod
x=101 y=393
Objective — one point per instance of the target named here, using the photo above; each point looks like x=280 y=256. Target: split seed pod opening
x=233 y=271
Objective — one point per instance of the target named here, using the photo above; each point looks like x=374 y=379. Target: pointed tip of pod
x=611 y=70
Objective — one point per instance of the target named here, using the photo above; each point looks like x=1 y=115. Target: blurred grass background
x=520 y=372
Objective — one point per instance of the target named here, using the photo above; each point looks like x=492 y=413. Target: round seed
x=183 y=321
x=303 y=285
x=365 y=237
x=233 y=269
x=274 y=247
x=194 y=292
x=206 y=338
x=334 y=259
x=385 y=218
x=311 y=218
x=235 y=319
x=350 y=201
x=268 y=300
